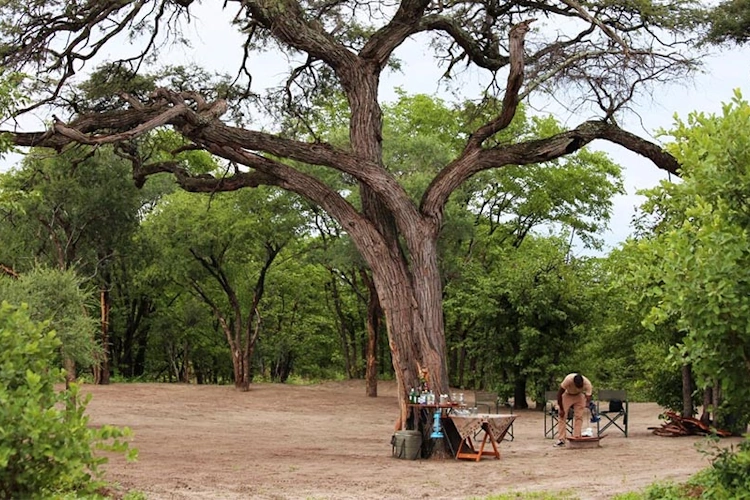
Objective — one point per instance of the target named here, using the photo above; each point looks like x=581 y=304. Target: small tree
x=59 y=296
x=46 y=446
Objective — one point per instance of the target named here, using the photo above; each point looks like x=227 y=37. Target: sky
x=216 y=46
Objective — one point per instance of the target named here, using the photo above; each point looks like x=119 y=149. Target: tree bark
x=519 y=393
x=688 y=410
x=104 y=365
x=374 y=314
x=706 y=413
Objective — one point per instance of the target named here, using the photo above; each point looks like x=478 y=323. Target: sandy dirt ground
x=330 y=441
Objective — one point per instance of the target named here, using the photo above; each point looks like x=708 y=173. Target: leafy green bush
x=46 y=446
x=729 y=474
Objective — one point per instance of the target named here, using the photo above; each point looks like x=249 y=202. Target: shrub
x=47 y=448
x=729 y=474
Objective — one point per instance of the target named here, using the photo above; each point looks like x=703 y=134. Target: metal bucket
x=407 y=444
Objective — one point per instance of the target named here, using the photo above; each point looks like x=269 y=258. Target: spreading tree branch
x=515 y=80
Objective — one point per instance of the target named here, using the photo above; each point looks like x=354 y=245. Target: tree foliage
x=221 y=249
x=523 y=314
x=606 y=53
x=47 y=448
x=69 y=210
x=700 y=251
x=730 y=22
x=61 y=299
x=641 y=351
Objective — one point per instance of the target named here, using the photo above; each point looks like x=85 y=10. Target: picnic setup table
x=461 y=428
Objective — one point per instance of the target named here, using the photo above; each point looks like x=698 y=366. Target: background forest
x=171 y=224
x=452 y=222
x=164 y=285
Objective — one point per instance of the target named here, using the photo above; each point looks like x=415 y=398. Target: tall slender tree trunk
x=343 y=326
x=104 y=366
x=70 y=370
x=374 y=314
x=706 y=413
x=688 y=410
x=185 y=369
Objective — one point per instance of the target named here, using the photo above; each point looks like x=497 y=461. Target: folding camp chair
x=486 y=400
x=491 y=402
x=612 y=407
x=552 y=415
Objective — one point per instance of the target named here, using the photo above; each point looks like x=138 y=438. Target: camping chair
x=491 y=401
x=486 y=399
x=552 y=415
x=612 y=407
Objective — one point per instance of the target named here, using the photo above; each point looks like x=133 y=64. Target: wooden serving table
x=460 y=431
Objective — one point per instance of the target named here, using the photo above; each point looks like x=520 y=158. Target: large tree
x=602 y=53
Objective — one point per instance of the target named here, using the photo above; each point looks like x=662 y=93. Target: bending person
x=575 y=390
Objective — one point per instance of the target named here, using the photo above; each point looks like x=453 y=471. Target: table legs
x=466 y=448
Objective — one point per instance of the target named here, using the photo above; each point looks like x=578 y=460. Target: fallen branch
x=677 y=425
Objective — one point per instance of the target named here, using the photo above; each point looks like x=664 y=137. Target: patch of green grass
x=536 y=495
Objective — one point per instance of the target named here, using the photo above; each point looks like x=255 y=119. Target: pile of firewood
x=676 y=425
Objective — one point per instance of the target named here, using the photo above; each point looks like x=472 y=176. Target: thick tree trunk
x=237 y=366
x=409 y=289
x=415 y=322
x=429 y=320
x=519 y=393
x=244 y=385
x=390 y=274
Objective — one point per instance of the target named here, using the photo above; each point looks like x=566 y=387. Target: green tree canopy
x=730 y=22
x=606 y=54
x=221 y=250
x=62 y=299
x=700 y=244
